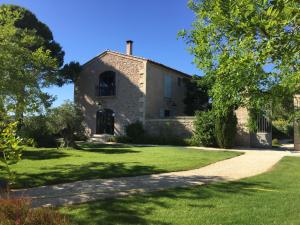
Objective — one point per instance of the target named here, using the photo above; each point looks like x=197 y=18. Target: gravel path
x=251 y=163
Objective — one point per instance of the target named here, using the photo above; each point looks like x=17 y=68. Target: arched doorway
x=105 y=120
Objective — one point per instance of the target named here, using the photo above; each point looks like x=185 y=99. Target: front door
x=105 y=122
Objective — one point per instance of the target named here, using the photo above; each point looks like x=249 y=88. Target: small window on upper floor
x=107 y=84
x=179 y=80
x=167 y=86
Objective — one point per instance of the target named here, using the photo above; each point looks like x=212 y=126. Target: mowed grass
x=45 y=166
x=272 y=198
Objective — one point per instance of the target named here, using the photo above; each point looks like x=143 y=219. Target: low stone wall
x=178 y=126
x=296 y=124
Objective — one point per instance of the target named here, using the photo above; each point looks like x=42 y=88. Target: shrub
x=225 y=129
x=282 y=129
x=19 y=211
x=10 y=147
x=275 y=142
x=36 y=128
x=204 y=134
x=135 y=131
x=67 y=121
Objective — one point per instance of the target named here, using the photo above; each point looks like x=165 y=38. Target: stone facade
x=128 y=101
x=243 y=134
x=179 y=127
x=296 y=125
x=156 y=102
x=139 y=90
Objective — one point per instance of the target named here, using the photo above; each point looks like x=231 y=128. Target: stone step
x=102 y=138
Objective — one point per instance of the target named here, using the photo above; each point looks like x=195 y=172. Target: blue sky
x=86 y=28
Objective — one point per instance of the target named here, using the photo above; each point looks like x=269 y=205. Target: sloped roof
x=138 y=58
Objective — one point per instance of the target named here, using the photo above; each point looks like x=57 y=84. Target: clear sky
x=85 y=28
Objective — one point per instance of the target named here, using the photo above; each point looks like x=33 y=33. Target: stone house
x=116 y=89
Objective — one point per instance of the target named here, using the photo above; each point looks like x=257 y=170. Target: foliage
x=282 y=129
x=10 y=147
x=275 y=142
x=225 y=129
x=19 y=211
x=30 y=60
x=248 y=49
x=196 y=98
x=204 y=133
x=37 y=128
x=135 y=131
x=67 y=121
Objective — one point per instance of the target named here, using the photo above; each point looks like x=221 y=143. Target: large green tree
x=30 y=60
x=249 y=49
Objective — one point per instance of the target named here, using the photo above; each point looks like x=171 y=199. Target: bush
x=67 y=121
x=282 y=129
x=36 y=128
x=19 y=211
x=225 y=129
x=10 y=148
x=275 y=142
x=135 y=131
x=204 y=134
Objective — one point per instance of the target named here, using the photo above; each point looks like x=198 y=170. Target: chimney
x=129 y=47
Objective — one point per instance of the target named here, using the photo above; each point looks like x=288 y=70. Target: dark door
x=105 y=122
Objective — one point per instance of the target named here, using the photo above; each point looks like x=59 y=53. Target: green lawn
x=52 y=166
x=272 y=198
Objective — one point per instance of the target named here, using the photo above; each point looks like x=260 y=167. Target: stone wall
x=128 y=102
x=243 y=135
x=156 y=102
x=178 y=126
x=296 y=125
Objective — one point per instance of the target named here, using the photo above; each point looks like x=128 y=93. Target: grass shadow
x=69 y=173
x=138 y=209
x=110 y=150
x=43 y=154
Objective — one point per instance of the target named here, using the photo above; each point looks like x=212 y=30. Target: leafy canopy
x=236 y=42
x=30 y=60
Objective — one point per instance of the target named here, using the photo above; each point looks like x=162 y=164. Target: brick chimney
x=129 y=44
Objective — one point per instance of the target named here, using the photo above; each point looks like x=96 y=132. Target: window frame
x=109 y=91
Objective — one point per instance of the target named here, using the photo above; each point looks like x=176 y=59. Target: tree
x=196 y=98
x=67 y=120
x=30 y=60
x=248 y=49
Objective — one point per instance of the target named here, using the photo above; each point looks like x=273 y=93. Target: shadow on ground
x=69 y=173
x=138 y=209
x=44 y=154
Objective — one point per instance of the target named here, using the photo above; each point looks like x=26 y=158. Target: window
x=168 y=87
x=167 y=113
x=107 y=84
x=179 y=81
